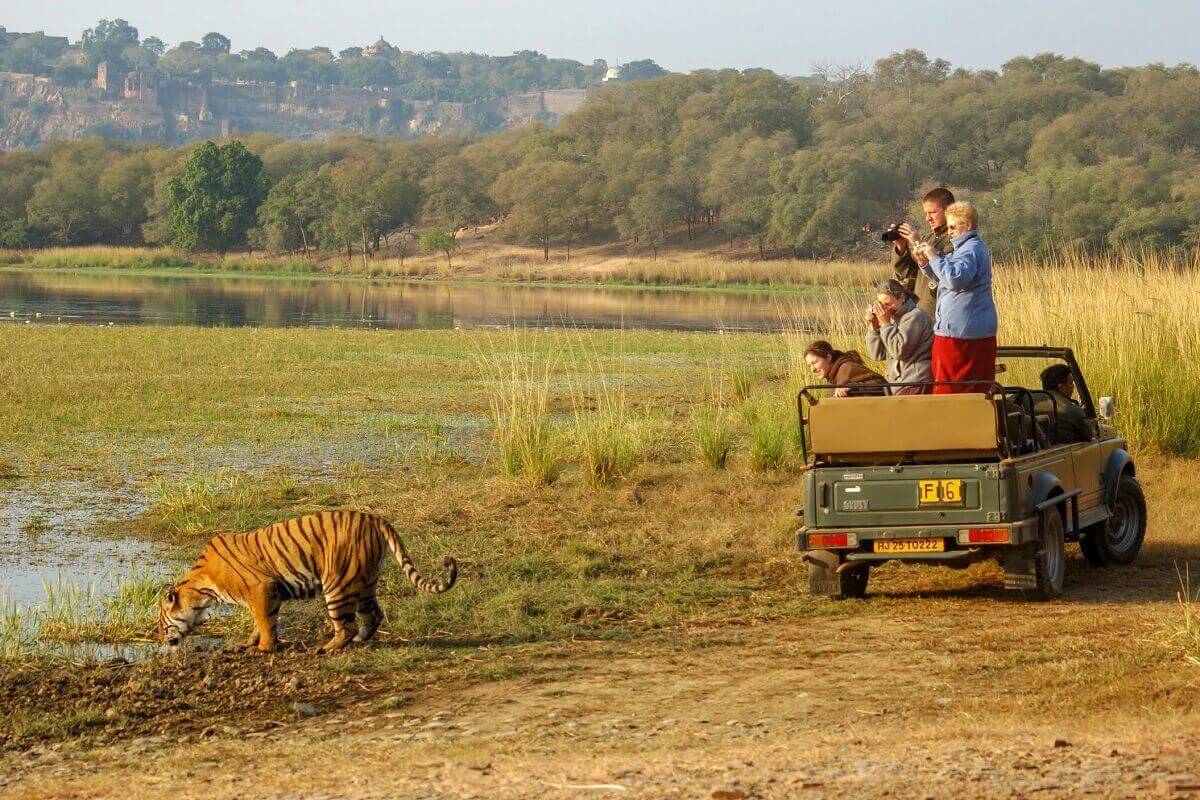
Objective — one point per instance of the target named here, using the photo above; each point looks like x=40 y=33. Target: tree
x=154 y=45
x=739 y=184
x=457 y=194
x=543 y=203
x=65 y=203
x=823 y=199
x=369 y=72
x=108 y=40
x=215 y=43
x=652 y=211
x=126 y=185
x=212 y=202
x=641 y=70
x=439 y=240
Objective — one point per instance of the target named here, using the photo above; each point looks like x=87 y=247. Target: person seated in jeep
x=844 y=370
x=1068 y=422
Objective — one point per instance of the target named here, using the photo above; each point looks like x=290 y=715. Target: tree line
x=1057 y=152
x=461 y=77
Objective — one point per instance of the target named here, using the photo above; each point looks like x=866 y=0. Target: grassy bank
x=584 y=469
x=476 y=262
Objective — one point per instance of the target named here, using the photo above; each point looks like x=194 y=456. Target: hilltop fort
x=115 y=85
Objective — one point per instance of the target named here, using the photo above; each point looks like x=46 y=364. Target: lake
x=236 y=301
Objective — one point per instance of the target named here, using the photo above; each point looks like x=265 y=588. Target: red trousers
x=963 y=360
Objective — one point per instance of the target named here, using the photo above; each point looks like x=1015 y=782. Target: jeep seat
x=865 y=430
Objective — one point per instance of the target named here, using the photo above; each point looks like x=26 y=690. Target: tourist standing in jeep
x=905 y=268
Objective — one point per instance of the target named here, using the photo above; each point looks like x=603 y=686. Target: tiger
x=334 y=553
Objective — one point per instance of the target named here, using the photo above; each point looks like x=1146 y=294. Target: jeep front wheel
x=1121 y=538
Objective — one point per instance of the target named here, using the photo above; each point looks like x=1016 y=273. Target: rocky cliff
x=151 y=107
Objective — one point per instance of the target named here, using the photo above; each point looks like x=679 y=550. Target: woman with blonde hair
x=964 y=331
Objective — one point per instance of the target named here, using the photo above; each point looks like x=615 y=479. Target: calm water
x=50 y=297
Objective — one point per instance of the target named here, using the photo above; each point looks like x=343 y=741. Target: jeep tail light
x=822 y=541
x=985 y=536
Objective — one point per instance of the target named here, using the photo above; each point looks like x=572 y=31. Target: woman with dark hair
x=844 y=370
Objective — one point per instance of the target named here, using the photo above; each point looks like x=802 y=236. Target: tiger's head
x=180 y=611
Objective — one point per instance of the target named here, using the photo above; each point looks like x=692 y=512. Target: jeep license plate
x=901 y=546
x=942 y=492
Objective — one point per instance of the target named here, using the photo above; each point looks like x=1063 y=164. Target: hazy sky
x=680 y=34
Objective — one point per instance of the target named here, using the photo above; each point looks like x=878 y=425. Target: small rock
x=111 y=713
x=304 y=709
x=1061 y=742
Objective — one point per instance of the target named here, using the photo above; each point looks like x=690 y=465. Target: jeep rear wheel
x=1121 y=538
x=1092 y=546
x=825 y=579
x=1050 y=560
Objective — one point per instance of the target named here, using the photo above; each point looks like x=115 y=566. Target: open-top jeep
x=953 y=479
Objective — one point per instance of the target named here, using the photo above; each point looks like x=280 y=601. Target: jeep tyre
x=1091 y=544
x=1121 y=537
x=824 y=578
x=1050 y=559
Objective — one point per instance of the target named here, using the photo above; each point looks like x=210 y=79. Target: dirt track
x=938 y=696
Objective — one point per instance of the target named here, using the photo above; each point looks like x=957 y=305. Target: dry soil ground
x=959 y=692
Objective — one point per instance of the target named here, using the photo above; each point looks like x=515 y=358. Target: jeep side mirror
x=1106 y=409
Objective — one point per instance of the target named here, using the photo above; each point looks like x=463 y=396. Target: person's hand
x=911 y=237
x=923 y=252
x=873 y=318
x=841 y=391
x=884 y=314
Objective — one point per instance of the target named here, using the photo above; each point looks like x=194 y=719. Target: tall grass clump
x=714 y=434
x=608 y=435
x=105 y=257
x=1184 y=630
x=771 y=431
x=518 y=399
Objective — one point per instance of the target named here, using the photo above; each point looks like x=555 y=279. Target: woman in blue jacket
x=964 y=330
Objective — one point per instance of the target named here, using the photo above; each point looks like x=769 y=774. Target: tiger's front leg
x=264 y=608
x=341 y=617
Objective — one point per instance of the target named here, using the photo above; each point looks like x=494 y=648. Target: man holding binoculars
x=905 y=267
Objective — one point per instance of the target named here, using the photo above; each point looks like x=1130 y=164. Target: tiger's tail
x=396 y=544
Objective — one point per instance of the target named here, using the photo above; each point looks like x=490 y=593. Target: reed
x=714 y=435
x=518 y=399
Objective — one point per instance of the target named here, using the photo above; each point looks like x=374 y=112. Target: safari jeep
x=954 y=479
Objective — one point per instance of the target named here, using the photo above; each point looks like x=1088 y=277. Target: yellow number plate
x=891 y=546
x=940 y=492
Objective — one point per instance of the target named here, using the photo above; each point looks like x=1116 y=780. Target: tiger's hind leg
x=370 y=615
x=341 y=617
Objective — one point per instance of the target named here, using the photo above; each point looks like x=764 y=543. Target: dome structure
x=380 y=49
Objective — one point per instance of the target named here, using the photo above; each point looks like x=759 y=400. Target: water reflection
x=272 y=302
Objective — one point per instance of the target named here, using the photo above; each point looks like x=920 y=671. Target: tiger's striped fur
x=335 y=553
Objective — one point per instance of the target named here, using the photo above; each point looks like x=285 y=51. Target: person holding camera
x=902 y=334
x=904 y=238
x=964 y=331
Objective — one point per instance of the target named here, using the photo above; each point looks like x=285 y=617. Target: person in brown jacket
x=844 y=370
x=904 y=267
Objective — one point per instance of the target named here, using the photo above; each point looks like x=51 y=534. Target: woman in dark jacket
x=844 y=370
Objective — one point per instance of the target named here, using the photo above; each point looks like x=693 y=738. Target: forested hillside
x=1058 y=152
x=460 y=77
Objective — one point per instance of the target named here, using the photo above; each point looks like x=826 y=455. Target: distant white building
x=613 y=74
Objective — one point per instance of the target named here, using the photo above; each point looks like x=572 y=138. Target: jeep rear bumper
x=958 y=540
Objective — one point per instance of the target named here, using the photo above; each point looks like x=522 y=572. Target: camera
x=892 y=234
